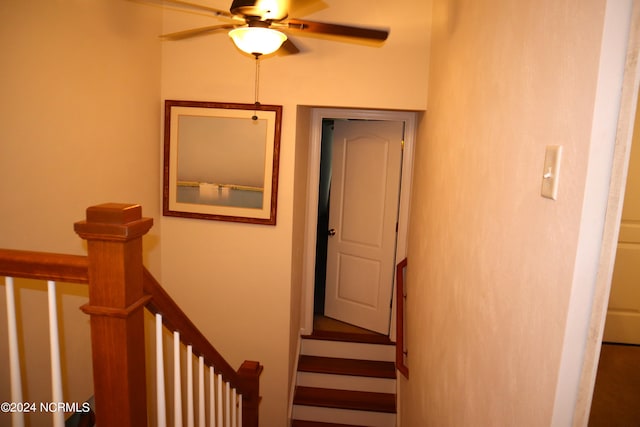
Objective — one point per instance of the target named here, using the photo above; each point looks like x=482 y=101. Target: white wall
x=491 y=263
x=80 y=119
x=224 y=273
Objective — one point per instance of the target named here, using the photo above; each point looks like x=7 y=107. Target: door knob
x=332 y=232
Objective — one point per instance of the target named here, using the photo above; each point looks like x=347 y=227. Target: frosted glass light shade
x=257 y=40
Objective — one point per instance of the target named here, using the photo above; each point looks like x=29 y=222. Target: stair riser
x=348 y=350
x=343 y=416
x=346 y=382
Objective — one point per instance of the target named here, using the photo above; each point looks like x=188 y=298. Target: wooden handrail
x=44 y=266
x=120 y=287
x=176 y=320
x=245 y=380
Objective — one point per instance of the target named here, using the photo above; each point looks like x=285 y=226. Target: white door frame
x=594 y=266
x=313 y=181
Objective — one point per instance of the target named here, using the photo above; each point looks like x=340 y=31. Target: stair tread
x=302 y=423
x=345 y=399
x=340 y=366
x=349 y=337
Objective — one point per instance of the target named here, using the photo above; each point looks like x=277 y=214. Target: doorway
x=616 y=390
x=614 y=112
x=358 y=198
x=321 y=125
x=622 y=323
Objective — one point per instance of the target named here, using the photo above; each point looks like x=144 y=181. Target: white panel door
x=623 y=316
x=363 y=212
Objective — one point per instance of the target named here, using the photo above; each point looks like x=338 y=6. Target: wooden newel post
x=249 y=373
x=116 y=306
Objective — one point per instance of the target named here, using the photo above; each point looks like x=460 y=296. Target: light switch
x=551 y=172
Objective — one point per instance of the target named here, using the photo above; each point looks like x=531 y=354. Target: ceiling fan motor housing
x=266 y=14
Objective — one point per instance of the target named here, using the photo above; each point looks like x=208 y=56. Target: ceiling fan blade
x=306 y=7
x=194 y=32
x=288 y=48
x=188 y=5
x=336 y=29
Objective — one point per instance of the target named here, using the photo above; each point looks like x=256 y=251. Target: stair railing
x=119 y=290
x=51 y=268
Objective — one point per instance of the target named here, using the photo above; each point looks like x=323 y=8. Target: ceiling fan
x=258 y=27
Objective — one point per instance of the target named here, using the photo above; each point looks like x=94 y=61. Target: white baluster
x=177 y=385
x=227 y=411
x=234 y=413
x=212 y=400
x=201 y=421
x=219 y=400
x=190 y=386
x=160 y=400
x=56 y=372
x=17 y=418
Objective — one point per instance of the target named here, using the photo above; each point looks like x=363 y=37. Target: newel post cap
x=113 y=221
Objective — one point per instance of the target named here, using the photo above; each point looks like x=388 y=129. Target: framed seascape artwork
x=221 y=161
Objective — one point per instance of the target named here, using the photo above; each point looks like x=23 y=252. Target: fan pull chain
x=257 y=86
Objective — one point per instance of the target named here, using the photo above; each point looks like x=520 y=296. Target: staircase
x=120 y=290
x=345 y=380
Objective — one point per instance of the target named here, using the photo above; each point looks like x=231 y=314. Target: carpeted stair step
x=349 y=337
x=353 y=367
x=348 y=350
x=345 y=399
x=298 y=423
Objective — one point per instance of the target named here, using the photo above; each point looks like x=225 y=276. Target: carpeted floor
x=616 y=398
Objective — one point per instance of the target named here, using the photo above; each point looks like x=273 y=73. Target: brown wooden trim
x=120 y=288
x=245 y=380
x=349 y=337
x=114 y=237
x=113 y=222
x=115 y=312
x=400 y=326
x=44 y=266
x=176 y=320
x=352 y=367
x=345 y=399
x=249 y=373
x=304 y=423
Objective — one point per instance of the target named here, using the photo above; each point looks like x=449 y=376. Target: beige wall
x=80 y=119
x=211 y=266
x=494 y=262
x=491 y=262
x=303 y=133
x=79 y=112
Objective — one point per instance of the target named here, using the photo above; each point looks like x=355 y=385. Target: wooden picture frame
x=221 y=161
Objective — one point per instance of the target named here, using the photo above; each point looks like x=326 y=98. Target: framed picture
x=221 y=161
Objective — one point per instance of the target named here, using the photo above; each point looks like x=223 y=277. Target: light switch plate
x=551 y=172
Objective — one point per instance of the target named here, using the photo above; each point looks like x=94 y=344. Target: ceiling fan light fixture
x=257 y=40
